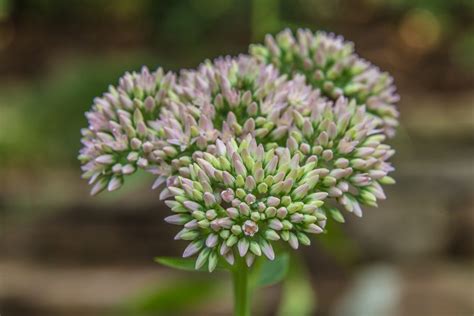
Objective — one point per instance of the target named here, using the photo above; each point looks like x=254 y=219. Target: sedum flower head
x=236 y=94
x=228 y=98
x=240 y=199
x=251 y=152
x=330 y=64
x=241 y=193
x=349 y=150
x=122 y=128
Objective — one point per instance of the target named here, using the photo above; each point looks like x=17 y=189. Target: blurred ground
x=65 y=253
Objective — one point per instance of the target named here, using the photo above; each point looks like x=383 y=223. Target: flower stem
x=240 y=277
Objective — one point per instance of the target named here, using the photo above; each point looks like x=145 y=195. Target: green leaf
x=336 y=215
x=186 y=264
x=272 y=272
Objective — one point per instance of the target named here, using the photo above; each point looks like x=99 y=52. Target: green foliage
x=273 y=272
x=186 y=264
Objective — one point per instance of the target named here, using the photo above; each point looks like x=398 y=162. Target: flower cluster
x=349 y=150
x=123 y=127
x=227 y=98
x=251 y=152
x=241 y=198
x=330 y=64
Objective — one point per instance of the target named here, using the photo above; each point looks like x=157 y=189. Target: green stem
x=240 y=277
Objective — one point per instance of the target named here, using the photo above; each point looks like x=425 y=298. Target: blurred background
x=63 y=252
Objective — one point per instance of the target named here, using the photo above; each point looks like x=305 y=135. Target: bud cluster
x=241 y=198
x=330 y=64
x=123 y=128
x=345 y=144
x=251 y=149
x=229 y=98
x=236 y=94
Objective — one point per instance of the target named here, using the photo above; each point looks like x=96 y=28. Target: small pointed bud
x=105 y=159
x=224 y=249
x=229 y=257
x=273 y=201
x=178 y=219
x=364 y=152
x=249 y=259
x=328 y=154
x=267 y=249
x=252 y=109
x=186 y=234
x=212 y=262
x=232 y=212
x=142 y=162
x=202 y=258
x=250 y=183
x=239 y=167
x=227 y=195
x=191 y=205
x=271 y=212
x=232 y=240
x=114 y=183
x=377 y=174
x=135 y=143
x=211 y=240
x=210 y=214
x=247 y=97
x=323 y=139
x=275 y=224
x=243 y=246
x=209 y=199
x=147 y=147
x=236 y=230
x=165 y=193
x=271 y=235
x=255 y=248
x=99 y=186
x=297 y=218
x=250 y=199
x=244 y=209
x=225 y=222
x=282 y=212
x=262 y=188
x=192 y=248
x=313 y=229
x=192 y=224
x=341 y=163
x=293 y=241
x=387 y=180
x=303 y=239
x=300 y=191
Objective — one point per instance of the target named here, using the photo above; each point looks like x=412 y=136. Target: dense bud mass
x=228 y=98
x=237 y=95
x=330 y=64
x=349 y=150
x=122 y=128
x=241 y=198
x=251 y=150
